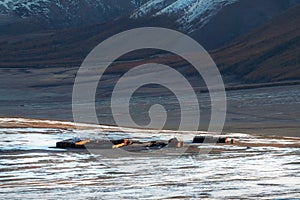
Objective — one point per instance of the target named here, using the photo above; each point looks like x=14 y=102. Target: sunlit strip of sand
x=16 y=122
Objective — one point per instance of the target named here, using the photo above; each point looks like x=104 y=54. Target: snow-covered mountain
x=190 y=14
x=237 y=33
x=69 y=13
x=33 y=7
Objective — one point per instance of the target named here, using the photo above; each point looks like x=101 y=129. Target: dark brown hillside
x=238 y=19
x=65 y=48
x=270 y=53
x=267 y=54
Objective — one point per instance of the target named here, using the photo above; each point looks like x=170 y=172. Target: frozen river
x=29 y=169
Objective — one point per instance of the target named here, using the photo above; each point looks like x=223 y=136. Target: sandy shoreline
x=18 y=122
x=244 y=139
x=269 y=129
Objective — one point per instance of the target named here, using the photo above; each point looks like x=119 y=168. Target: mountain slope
x=215 y=22
x=237 y=19
x=57 y=14
x=270 y=53
x=191 y=14
x=67 y=47
x=251 y=58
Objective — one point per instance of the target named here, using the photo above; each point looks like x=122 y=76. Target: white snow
x=12 y=5
x=189 y=12
x=148 y=7
x=41 y=6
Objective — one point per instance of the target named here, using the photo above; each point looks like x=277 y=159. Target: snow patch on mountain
x=149 y=7
x=189 y=12
x=68 y=13
x=26 y=6
x=69 y=8
x=137 y=3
